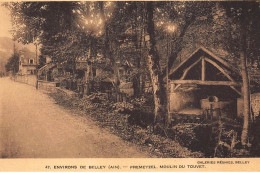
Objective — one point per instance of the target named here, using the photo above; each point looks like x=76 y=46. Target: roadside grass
x=111 y=116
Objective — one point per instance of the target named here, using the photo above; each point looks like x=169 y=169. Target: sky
x=6 y=26
x=5 y=22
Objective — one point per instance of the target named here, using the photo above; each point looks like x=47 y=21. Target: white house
x=27 y=62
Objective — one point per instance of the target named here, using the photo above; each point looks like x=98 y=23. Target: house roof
x=46 y=68
x=230 y=69
x=207 y=51
x=27 y=53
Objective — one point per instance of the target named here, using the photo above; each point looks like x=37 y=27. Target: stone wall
x=31 y=80
x=255 y=103
x=184 y=99
x=27 y=79
x=46 y=85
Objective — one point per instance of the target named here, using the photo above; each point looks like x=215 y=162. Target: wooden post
x=200 y=82
x=203 y=69
x=172 y=87
x=86 y=83
x=167 y=84
x=36 y=70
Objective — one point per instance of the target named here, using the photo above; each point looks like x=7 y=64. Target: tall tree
x=13 y=63
x=243 y=15
x=110 y=45
x=153 y=63
x=244 y=73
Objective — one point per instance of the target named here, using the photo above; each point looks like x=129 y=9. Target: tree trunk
x=136 y=85
x=87 y=80
x=245 y=88
x=107 y=51
x=142 y=55
x=154 y=69
x=138 y=43
x=116 y=82
x=143 y=80
x=116 y=74
x=88 y=73
x=246 y=98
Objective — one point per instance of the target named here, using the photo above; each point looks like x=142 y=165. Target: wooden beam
x=177 y=86
x=218 y=59
x=203 y=69
x=183 y=62
x=200 y=82
x=172 y=87
x=219 y=68
x=188 y=69
x=186 y=72
x=225 y=73
x=238 y=92
x=209 y=53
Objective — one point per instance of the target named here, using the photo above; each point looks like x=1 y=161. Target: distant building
x=27 y=62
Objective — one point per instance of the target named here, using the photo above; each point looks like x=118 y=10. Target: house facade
x=27 y=62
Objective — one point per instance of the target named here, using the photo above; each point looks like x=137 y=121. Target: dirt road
x=33 y=126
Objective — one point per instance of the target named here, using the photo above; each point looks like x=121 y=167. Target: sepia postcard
x=129 y=86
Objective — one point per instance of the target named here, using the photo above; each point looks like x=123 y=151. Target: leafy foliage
x=13 y=63
x=144 y=34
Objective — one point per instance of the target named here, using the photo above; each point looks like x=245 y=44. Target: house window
x=31 y=61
